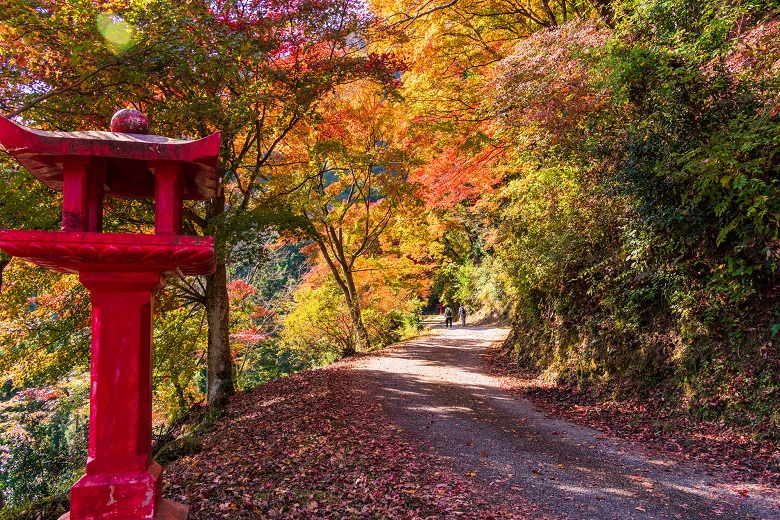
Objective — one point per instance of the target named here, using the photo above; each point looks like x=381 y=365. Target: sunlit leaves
x=544 y=90
x=45 y=322
x=179 y=356
x=352 y=192
x=119 y=34
x=43 y=433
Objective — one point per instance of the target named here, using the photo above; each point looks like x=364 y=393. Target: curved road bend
x=436 y=389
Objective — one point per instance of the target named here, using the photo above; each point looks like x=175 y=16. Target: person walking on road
x=448 y=317
x=462 y=314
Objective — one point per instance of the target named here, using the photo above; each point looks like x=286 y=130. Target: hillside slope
x=312 y=445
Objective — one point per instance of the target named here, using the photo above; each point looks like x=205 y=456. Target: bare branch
x=411 y=18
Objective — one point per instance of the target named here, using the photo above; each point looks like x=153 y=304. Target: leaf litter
x=727 y=449
x=312 y=445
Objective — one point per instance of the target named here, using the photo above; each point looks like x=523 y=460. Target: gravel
x=436 y=389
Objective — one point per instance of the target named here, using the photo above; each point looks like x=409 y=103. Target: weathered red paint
x=123 y=273
x=167 y=199
x=123 y=159
x=75 y=191
x=129 y=121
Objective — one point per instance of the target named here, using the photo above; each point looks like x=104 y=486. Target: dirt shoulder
x=745 y=455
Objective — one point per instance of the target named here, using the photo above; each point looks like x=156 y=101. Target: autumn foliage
x=608 y=183
x=602 y=176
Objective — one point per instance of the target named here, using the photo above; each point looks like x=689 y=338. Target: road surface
x=436 y=388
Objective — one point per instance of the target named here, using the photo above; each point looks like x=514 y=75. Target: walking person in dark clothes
x=448 y=317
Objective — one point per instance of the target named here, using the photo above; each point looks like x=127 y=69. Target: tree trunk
x=363 y=341
x=343 y=276
x=355 y=314
x=219 y=362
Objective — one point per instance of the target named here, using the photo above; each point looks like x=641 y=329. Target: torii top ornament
x=123 y=273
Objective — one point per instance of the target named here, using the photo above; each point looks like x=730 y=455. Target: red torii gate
x=123 y=273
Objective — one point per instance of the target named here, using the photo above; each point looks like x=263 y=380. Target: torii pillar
x=123 y=273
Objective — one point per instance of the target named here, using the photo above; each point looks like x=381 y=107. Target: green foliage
x=271 y=360
x=44 y=440
x=476 y=287
x=25 y=203
x=45 y=325
x=318 y=328
x=319 y=323
x=642 y=253
x=50 y=507
x=259 y=296
x=547 y=227
x=180 y=338
x=402 y=321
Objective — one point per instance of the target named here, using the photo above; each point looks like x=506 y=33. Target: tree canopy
x=601 y=175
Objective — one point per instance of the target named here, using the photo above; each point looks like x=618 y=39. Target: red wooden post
x=122 y=331
x=122 y=481
x=75 y=187
x=123 y=274
x=167 y=198
x=95 y=181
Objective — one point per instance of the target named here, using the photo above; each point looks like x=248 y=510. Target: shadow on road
x=436 y=389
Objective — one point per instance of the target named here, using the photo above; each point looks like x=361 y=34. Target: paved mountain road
x=435 y=387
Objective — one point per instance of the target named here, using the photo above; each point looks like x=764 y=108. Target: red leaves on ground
x=312 y=446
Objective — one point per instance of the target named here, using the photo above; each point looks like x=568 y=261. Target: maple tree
x=350 y=188
x=452 y=49
x=252 y=70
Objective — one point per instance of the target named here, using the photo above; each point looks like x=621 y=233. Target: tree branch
x=65 y=88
